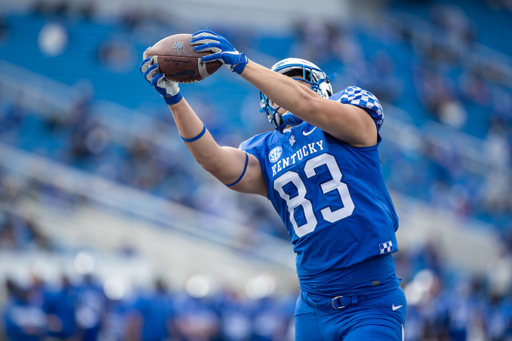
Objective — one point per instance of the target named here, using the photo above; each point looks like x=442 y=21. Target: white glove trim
x=201 y=66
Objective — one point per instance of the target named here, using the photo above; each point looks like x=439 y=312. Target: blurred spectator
x=434 y=90
x=153 y=316
x=499 y=272
x=59 y=307
x=117 y=54
x=116 y=324
x=345 y=48
x=141 y=169
x=462 y=310
x=499 y=4
x=23 y=320
x=86 y=10
x=497 y=317
x=131 y=17
x=498 y=144
x=196 y=318
x=235 y=317
x=474 y=88
x=315 y=39
x=387 y=85
x=270 y=321
x=20 y=233
x=12 y=115
x=51 y=8
x=90 y=309
x=87 y=137
x=4 y=28
x=460 y=29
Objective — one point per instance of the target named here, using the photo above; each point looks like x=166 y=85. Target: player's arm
x=236 y=169
x=345 y=122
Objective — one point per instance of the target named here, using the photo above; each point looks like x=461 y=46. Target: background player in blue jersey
x=321 y=170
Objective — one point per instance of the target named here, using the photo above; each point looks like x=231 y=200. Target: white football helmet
x=306 y=72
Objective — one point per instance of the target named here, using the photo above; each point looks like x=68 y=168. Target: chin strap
x=288 y=119
x=284 y=120
x=281 y=121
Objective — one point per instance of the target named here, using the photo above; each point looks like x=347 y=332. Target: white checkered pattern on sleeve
x=364 y=99
x=386 y=247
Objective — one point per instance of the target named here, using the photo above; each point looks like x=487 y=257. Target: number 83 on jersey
x=300 y=200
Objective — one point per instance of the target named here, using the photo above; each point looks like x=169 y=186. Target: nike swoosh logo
x=395 y=308
x=186 y=72
x=309 y=132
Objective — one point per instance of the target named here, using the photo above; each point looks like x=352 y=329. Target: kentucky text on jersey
x=310 y=148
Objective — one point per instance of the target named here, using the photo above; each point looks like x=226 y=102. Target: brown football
x=179 y=62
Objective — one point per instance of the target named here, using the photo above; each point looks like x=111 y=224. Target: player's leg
x=373 y=332
x=380 y=318
x=306 y=324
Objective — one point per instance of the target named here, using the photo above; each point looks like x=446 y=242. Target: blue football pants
x=381 y=317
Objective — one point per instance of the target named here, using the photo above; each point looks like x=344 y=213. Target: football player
x=321 y=171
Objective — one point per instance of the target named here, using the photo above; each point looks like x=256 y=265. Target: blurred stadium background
x=110 y=231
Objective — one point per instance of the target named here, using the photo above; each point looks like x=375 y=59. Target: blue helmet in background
x=307 y=72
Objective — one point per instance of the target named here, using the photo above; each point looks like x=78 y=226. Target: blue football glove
x=168 y=89
x=221 y=48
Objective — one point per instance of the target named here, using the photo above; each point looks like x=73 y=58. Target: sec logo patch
x=275 y=154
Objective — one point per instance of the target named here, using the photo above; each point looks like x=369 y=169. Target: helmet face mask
x=301 y=70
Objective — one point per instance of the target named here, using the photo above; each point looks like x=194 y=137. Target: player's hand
x=221 y=48
x=168 y=89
